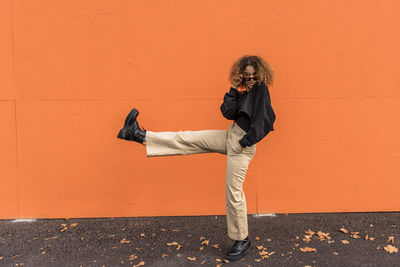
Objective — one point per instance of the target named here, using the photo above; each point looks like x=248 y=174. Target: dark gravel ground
x=150 y=240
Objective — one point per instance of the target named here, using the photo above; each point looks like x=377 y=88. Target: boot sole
x=131 y=116
x=241 y=255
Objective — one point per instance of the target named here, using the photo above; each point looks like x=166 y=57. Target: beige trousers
x=213 y=141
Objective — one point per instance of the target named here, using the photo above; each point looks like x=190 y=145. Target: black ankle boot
x=239 y=249
x=131 y=130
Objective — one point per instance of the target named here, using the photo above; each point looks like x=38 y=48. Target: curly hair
x=262 y=68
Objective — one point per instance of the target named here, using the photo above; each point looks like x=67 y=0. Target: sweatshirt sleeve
x=262 y=119
x=230 y=106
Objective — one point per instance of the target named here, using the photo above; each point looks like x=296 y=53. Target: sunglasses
x=248 y=78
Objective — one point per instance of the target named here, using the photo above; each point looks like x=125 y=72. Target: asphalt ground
x=317 y=239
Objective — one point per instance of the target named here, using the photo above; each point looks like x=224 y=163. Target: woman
x=248 y=104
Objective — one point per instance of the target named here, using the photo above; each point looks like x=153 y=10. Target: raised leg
x=185 y=142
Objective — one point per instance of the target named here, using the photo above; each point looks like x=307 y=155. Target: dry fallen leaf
x=391 y=249
x=205 y=242
x=191 y=258
x=257 y=238
x=139 y=264
x=201 y=248
x=308 y=249
x=323 y=235
x=174 y=244
x=371 y=238
x=125 y=241
x=366 y=237
x=355 y=235
x=133 y=257
x=390 y=239
x=345 y=242
x=260 y=247
x=335 y=253
x=164 y=255
x=74 y=224
x=309 y=232
x=344 y=230
x=257 y=260
x=215 y=246
x=264 y=252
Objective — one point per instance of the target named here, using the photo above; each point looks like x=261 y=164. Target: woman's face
x=249 y=73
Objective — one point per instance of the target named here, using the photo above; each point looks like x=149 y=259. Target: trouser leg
x=238 y=160
x=219 y=141
x=185 y=142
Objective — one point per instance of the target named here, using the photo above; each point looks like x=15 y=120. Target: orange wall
x=72 y=70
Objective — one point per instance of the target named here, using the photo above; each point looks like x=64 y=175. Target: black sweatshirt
x=252 y=111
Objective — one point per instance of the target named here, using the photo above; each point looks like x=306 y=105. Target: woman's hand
x=237 y=81
x=242 y=89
